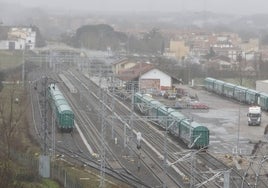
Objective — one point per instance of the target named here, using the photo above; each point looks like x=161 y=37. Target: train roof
x=54 y=90
x=144 y=96
x=58 y=96
x=194 y=124
x=229 y=84
x=65 y=108
x=53 y=87
x=263 y=94
x=61 y=101
x=170 y=110
x=219 y=81
x=252 y=91
x=241 y=88
x=209 y=79
x=177 y=115
x=156 y=103
x=163 y=107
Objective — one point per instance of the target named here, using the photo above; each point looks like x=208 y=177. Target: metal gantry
x=44 y=160
x=254 y=169
x=103 y=147
x=44 y=112
x=45 y=81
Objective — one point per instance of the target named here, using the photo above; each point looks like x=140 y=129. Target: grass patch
x=246 y=82
x=10 y=59
x=85 y=178
x=44 y=183
x=23 y=164
x=50 y=184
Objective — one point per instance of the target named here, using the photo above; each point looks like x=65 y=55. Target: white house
x=19 y=38
x=24 y=38
x=148 y=78
x=155 y=79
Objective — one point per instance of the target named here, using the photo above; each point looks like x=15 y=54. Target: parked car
x=172 y=96
x=198 y=105
x=177 y=105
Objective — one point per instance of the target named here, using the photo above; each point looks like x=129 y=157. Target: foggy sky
x=218 y=6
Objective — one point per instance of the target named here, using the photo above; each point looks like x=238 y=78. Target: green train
x=193 y=134
x=64 y=115
x=237 y=92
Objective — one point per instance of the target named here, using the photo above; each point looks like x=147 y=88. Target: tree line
x=102 y=36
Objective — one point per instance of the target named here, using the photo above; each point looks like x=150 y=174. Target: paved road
x=223 y=121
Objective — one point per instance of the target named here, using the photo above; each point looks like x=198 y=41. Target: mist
x=238 y=7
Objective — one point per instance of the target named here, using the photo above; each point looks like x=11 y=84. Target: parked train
x=236 y=92
x=64 y=115
x=193 y=134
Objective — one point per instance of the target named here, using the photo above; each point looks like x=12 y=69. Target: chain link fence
x=30 y=171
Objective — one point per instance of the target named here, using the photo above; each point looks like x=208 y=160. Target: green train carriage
x=65 y=118
x=64 y=115
x=209 y=83
x=263 y=101
x=194 y=134
x=191 y=133
x=142 y=103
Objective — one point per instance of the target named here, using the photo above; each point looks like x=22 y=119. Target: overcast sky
x=222 y=6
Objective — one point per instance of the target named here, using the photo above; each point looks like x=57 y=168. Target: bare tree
x=11 y=113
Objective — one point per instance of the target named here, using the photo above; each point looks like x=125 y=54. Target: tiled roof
x=120 y=61
x=135 y=72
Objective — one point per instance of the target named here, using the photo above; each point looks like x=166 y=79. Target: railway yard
x=105 y=137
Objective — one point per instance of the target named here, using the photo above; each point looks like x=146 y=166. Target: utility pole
x=165 y=163
x=239 y=60
x=44 y=112
x=44 y=160
x=132 y=114
x=165 y=157
x=53 y=137
x=103 y=100
x=113 y=104
x=103 y=148
x=23 y=68
x=193 y=167
x=238 y=127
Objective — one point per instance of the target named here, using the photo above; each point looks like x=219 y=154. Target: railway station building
x=146 y=78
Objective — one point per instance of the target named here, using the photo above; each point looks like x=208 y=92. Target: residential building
x=250 y=45
x=17 y=38
x=179 y=48
x=122 y=64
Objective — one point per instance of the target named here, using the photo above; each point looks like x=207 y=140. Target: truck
x=254 y=115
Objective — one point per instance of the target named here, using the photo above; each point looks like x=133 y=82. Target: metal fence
x=30 y=170
x=60 y=173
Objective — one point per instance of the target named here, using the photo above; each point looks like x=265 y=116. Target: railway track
x=112 y=160
x=159 y=143
x=67 y=145
x=152 y=171
x=86 y=115
x=218 y=166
